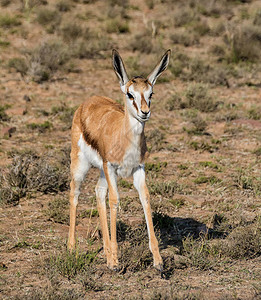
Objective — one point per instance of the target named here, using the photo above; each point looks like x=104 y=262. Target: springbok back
x=111 y=137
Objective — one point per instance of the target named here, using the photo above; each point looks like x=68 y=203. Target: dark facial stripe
x=135 y=105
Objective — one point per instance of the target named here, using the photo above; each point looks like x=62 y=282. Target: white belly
x=87 y=153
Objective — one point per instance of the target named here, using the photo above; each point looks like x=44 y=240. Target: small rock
x=27 y=98
x=8 y=131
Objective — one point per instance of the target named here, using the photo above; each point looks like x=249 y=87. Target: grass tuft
x=69 y=264
x=135 y=254
x=58 y=211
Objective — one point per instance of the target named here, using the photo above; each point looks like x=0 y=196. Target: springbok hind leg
x=140 y=185
x=111 y=178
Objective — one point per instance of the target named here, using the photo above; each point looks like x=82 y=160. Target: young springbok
x=109 y=137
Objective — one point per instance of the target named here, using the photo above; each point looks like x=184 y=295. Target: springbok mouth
x=143 y=118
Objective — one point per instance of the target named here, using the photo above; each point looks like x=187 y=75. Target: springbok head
x=138 y=90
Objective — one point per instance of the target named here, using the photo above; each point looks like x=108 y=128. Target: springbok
x=109 y=137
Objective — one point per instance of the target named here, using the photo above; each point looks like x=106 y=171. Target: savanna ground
x=203 y=136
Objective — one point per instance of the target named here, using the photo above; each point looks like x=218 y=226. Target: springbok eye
x=150 y=96
x=130 y=96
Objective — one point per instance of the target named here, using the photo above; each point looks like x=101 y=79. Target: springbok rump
x=110 y=137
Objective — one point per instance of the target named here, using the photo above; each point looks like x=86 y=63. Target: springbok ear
x=160 y=68
x=119 y=68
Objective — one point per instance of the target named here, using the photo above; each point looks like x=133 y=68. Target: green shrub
x=7 y=21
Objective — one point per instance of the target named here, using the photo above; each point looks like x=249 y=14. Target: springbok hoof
x=159 y=267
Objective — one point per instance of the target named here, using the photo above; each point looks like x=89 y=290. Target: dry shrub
x=243 y=242
x=5 y=3
x=70 y=264
x=184 y=16
x=257 y=18
x=142 y=43
x=155 y=139
x=50 y=18
x=50 y=292
x=212 y=8
x=46 y=59
x=174 y=102
x=91 y=49
x=197 y=70
x=29 y=173
x=64 y=5
x=19 y=64
x=117 y=26
x=200 y=252
x=197 y=97
x=73 y=31
x=243 y=43
x=201 y=28
x=199 y=126
x=185 y=38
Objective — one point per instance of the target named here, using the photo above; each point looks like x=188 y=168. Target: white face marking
x=137 y=98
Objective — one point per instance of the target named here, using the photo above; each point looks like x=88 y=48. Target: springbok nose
x=145 y=112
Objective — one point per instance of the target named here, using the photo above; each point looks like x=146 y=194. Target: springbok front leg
x=111 y=177
x=101 y=192
x=140 y=185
